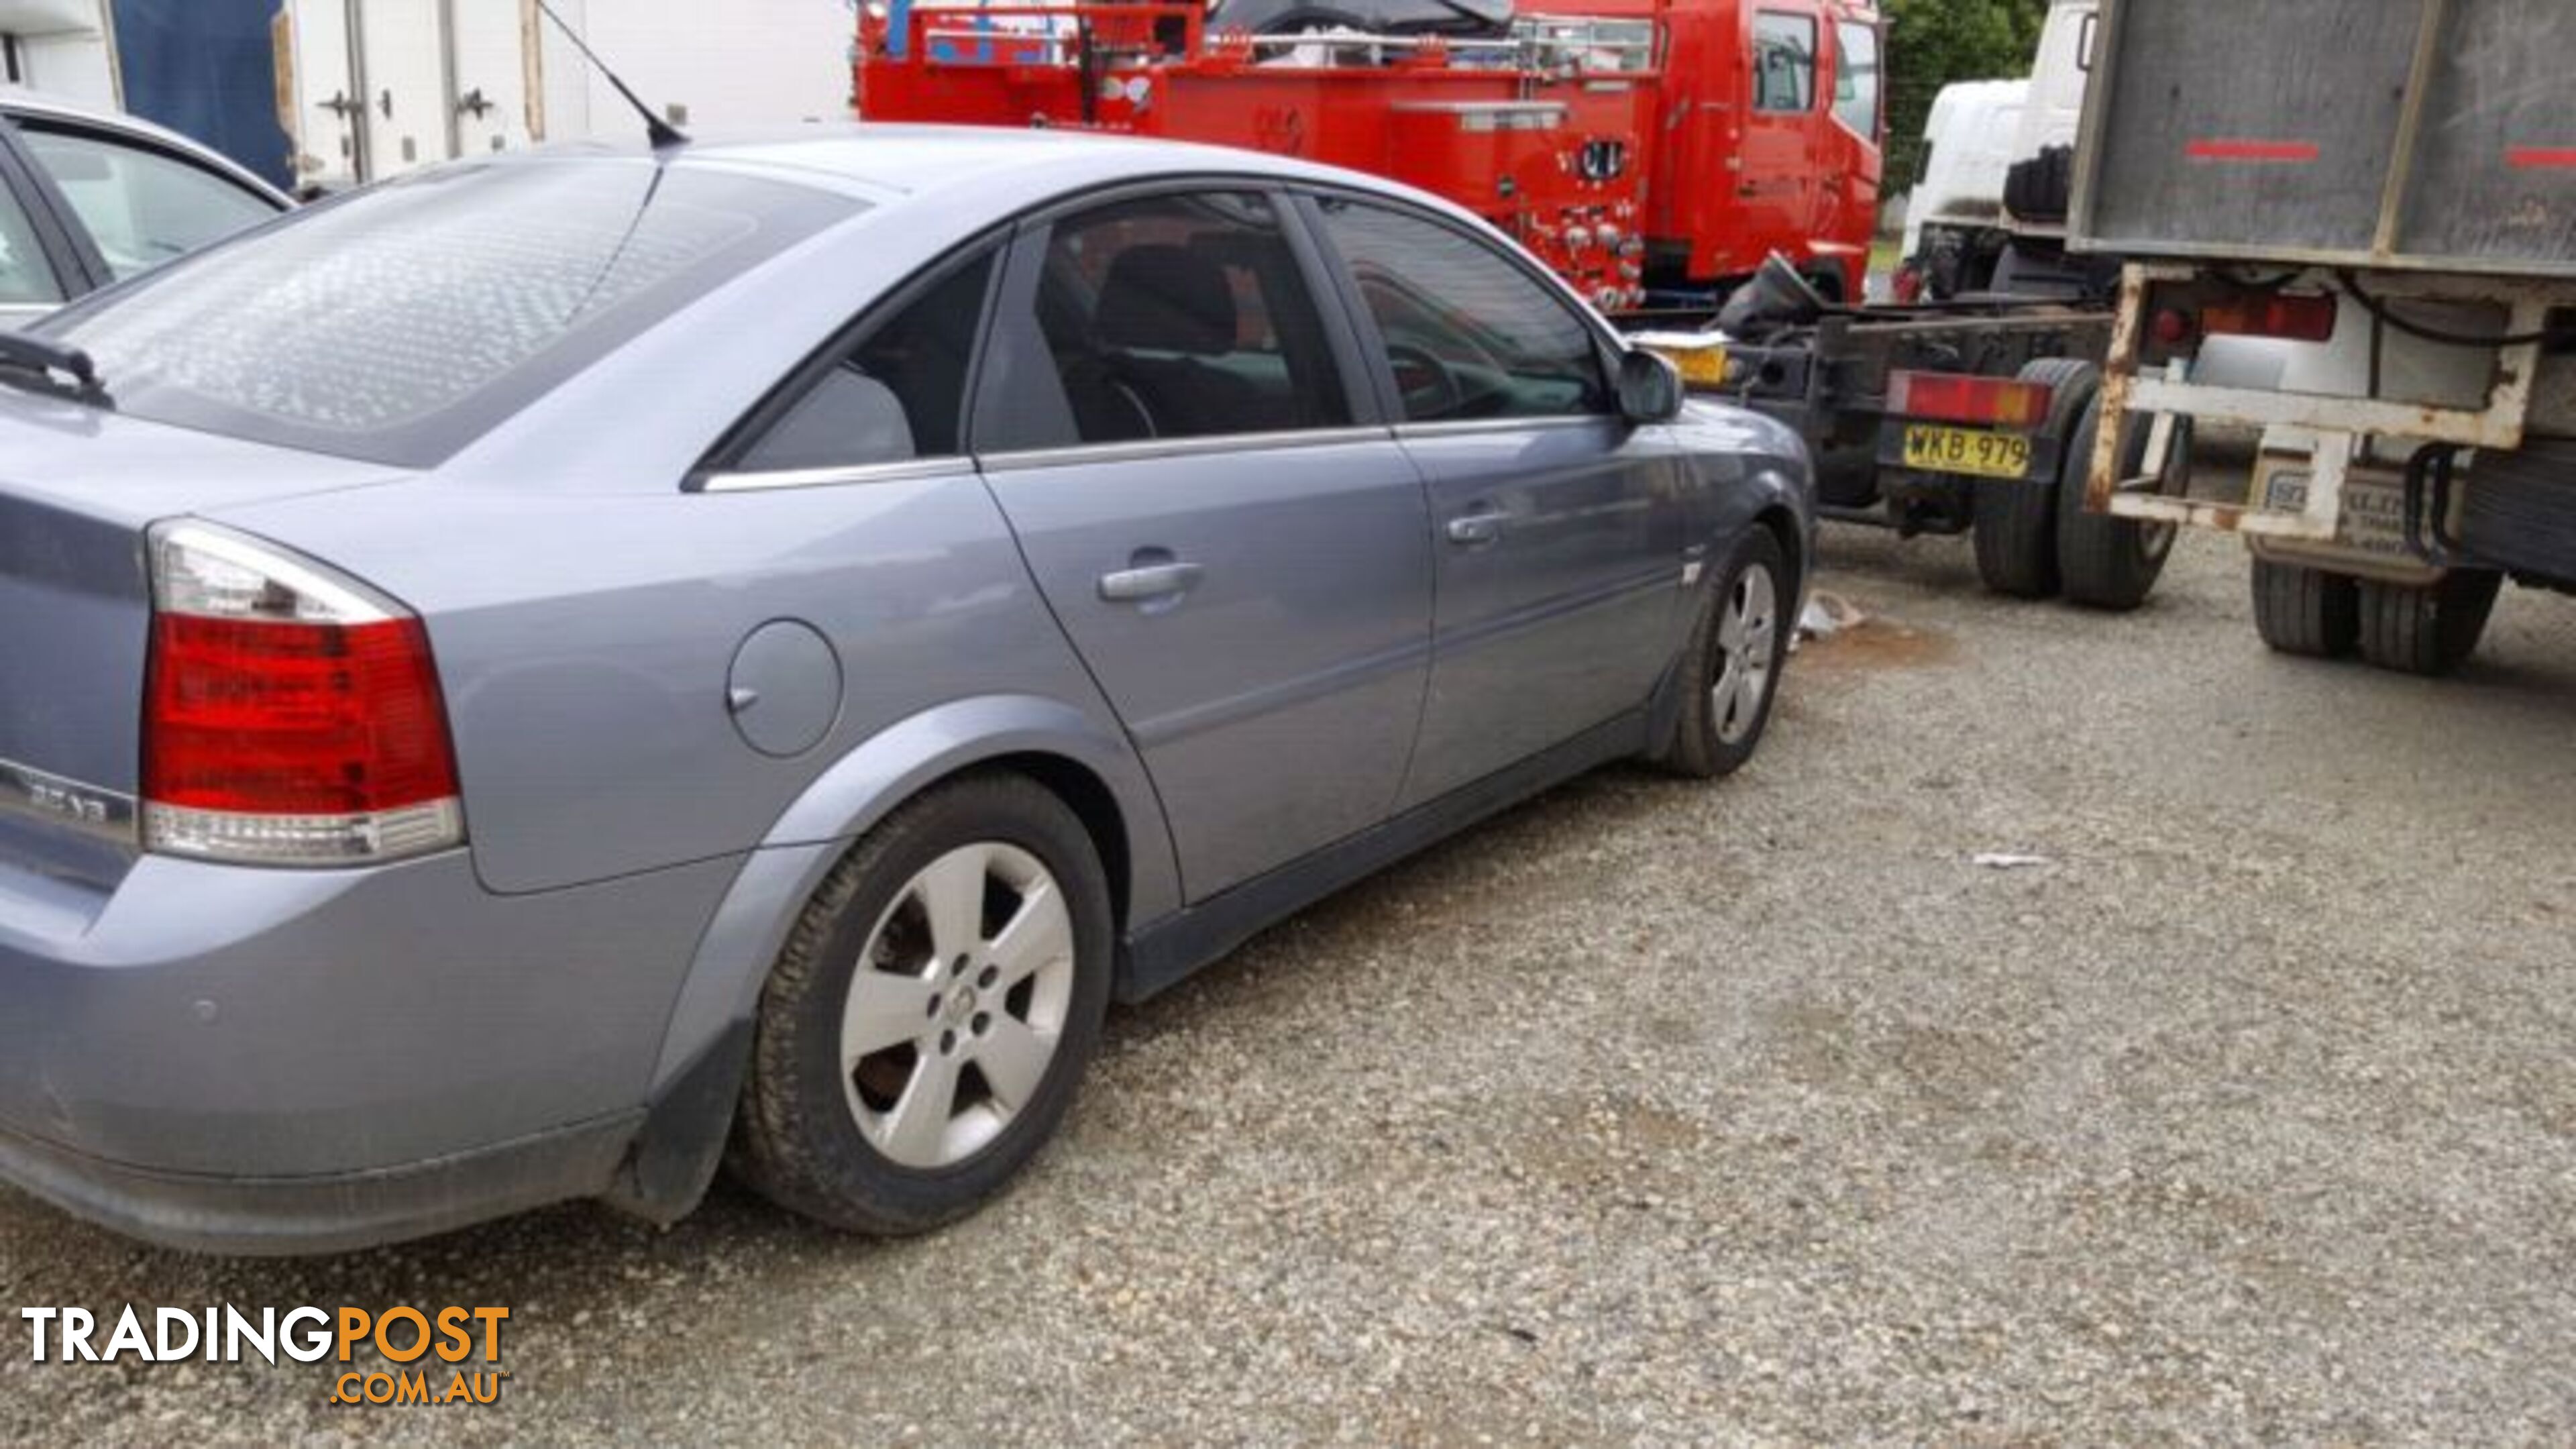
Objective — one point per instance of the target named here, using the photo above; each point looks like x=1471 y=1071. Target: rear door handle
x=1475 y=530
x=1154 y=581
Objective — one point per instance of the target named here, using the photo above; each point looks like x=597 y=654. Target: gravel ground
x=1657 y=1112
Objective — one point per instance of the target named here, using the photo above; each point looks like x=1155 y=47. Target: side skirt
x=1170 y=950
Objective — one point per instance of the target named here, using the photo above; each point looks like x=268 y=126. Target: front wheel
x=1733 y=661
x=923 y=1032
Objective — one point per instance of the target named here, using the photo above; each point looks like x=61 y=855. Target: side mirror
x=1650 y=388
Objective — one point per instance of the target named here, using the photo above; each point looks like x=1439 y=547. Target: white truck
x=1989 y=212
x=1954 y=217
x=2400 y=206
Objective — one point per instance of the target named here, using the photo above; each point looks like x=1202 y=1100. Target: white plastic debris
x=2003 y=860
x=1827 y=615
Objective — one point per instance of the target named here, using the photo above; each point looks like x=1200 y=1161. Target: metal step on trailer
x=2342 y=426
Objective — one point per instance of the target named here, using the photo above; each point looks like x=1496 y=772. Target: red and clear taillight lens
x=291 y=715
x=1986 y=402
x=2271 y=314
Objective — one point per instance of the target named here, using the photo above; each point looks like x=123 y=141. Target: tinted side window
x=26 y=278
x=1856 y=77
x=1784 y=62
x=141 y=207
x=1171 y=317
x=900 y=394
x=1468 y=333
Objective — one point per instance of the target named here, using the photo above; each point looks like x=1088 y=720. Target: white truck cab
x=1989 y=214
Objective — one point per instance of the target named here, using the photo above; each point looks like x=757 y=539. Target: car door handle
x=1475 y=530
x=1153 y=581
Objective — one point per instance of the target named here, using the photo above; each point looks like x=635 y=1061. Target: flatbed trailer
x=1973 y=416
x=2399 y=206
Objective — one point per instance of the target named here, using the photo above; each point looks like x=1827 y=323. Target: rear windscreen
x=404 y=322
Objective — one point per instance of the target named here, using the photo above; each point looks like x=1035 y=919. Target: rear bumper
x=276 y=1061
x=322 y=1214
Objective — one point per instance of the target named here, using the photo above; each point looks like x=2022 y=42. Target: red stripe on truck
x=2222 y=149
x=2541 y=158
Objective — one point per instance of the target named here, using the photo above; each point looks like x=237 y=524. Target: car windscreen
x=404 y=322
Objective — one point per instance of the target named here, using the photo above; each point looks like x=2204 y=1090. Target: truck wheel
x=2016 y=522
x=2306 y=611
x=2429 y=631
x=2105 y=562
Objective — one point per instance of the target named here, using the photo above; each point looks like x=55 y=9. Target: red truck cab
x=1774 y=113
x=1645 y=149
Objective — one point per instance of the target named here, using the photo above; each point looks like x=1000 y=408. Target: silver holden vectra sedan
x=537 y=679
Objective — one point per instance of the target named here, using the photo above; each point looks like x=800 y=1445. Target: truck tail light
x=2270 y=314
x=1987 y=402
x=291 y=716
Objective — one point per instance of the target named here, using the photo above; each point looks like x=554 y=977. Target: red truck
x=1653 y=151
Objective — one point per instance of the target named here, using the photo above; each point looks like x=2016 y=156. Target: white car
x=89 y=197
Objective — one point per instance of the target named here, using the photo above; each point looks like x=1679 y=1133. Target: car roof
x=887 y=161
x=19 y=103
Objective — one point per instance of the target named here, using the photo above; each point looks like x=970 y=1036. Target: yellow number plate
x=1964 y=450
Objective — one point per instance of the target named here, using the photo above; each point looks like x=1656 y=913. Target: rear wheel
x=922 y=1035
x=2105 y=562
x=2431 y=630
x=1734 y=660
x=2016 y=520
x=2305 y=611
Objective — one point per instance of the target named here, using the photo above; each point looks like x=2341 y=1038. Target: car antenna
x=660 y=132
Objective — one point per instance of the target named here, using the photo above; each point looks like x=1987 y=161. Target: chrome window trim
x=894 y=472
x=29 y=793
x=1190 y=447
x=1472 y=427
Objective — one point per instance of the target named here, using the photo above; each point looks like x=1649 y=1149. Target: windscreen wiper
x=36 y=363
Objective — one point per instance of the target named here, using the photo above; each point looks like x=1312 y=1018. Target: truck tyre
x=2016 y=521
x=923 y=1031
x=2306 y=611
x=2105 y=562
x=2431 y=630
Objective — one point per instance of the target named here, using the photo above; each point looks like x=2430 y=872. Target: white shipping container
x=58 y=46
x=374 y=88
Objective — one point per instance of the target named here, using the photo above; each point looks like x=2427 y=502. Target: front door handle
x=1475 y=530
x=1151 y=582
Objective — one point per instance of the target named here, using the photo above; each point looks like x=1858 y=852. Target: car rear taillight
x=291 y=715
x=1989 y=402
x=2270 y=314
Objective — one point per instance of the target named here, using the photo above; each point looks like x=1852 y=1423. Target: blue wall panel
x=206 y=69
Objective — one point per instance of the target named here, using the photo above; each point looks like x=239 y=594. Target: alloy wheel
x=1747 y=630
x=957 y=1005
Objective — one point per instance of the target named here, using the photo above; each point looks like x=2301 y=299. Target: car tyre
x=922 y=1034
x=2431 y=630
x=2113 y=563
x=2015 y=523
x=1736 y=652
x=2304 y=611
